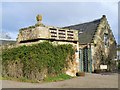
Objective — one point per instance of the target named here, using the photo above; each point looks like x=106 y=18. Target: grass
x=1 y=78
x=23 y=79
x=59 y=77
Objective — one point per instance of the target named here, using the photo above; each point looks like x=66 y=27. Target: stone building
x=118 y=52
x=40 y=33
x=118 y=58
x=94 y=42
x=97 y=44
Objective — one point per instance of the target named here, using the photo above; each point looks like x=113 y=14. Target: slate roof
x=86 y=30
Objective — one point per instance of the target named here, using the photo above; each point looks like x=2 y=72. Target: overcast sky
x=18 y=15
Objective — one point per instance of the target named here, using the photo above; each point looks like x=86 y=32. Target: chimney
x=103 y=16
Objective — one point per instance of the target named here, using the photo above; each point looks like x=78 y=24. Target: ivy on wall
x=36 y=61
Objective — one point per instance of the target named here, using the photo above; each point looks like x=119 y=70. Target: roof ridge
x=83 y=23
x=91 y=21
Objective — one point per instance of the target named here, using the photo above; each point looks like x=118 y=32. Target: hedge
x=36 y=61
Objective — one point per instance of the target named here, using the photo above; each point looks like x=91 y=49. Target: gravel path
x=89 y=81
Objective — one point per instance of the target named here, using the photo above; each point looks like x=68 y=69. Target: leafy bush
x=36 y=61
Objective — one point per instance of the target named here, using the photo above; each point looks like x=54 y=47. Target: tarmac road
x=89 y=81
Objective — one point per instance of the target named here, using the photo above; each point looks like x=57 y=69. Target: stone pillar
x=81 y=60
x=77 y=57
x=66 y=34
x=92 y=54
x=57 y=33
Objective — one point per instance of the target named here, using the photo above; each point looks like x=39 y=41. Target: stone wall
x=46 y=32
x=56 y=36
x=104 y=46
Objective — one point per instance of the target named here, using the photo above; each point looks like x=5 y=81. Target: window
x=106 y=40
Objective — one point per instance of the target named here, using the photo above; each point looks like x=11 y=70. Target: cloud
x=19 y=15
x=5 y=34
x=60 y=1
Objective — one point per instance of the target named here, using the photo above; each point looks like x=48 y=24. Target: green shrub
x=36 y=61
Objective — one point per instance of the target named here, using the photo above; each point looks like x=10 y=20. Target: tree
x=5 y=35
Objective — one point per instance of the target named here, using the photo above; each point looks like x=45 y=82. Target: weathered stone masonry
x=39 y=33
x=94 y=42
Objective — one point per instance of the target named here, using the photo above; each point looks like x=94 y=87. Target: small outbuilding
x=97 y=45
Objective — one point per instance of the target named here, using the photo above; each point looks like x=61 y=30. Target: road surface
x=89 y=81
